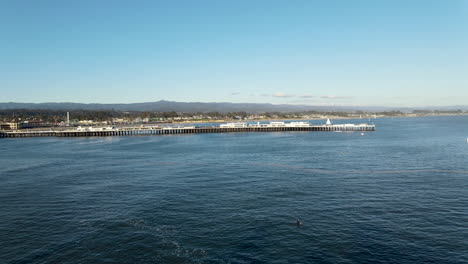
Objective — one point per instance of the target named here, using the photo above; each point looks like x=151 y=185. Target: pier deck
x=135 y=131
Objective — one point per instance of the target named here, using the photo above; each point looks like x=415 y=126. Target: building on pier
x=94 y=129
x=165 y=130
x=233 y=125
x=10 y=126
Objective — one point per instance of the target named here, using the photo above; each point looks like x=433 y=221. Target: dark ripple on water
x=395 y=196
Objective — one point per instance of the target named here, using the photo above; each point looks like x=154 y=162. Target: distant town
x=15 y=119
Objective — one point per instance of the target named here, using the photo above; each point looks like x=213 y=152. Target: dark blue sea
x=396 y=195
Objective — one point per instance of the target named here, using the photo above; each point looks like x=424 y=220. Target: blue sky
x=393 y=53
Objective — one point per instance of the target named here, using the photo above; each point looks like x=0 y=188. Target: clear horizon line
x=312 y=105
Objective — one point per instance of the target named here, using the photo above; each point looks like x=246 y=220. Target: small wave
x=329 y=171
x=28 y=167
x=165 y=237
x=95 y=141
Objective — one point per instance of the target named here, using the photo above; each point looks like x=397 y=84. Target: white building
x=233 y=125
x=277 y=124
x=299 y=124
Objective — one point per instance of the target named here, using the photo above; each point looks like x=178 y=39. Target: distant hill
x=167 y=106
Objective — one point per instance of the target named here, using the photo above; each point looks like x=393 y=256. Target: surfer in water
x=298 y=222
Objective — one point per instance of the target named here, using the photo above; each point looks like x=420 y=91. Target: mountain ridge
x=167 y=106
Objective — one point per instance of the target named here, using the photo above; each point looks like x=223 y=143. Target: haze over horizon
x=360 y=53
x=64 y=105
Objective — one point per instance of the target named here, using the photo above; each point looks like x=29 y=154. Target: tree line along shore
x=55 y=118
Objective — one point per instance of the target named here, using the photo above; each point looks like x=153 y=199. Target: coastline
x=365 y=119
x=305 y=119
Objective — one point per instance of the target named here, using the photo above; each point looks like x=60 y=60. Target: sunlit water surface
x=397 y=195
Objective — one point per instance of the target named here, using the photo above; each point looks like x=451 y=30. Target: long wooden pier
x=136 y=131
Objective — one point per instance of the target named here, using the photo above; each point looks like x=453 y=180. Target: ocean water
x=397 y=195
